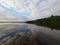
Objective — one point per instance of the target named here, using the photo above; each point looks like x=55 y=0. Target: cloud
x=13 y=7
x=52 y=7
x=32 y=9
x=6 y=16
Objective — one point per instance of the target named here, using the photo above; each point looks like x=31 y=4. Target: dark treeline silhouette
x=52 y=22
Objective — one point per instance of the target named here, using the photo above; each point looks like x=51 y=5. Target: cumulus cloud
x=32 y=9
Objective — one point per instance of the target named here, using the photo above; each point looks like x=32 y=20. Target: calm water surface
x=44 y=34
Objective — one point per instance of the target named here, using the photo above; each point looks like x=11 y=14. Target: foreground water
x=11 y=33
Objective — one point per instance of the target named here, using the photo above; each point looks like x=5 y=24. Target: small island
x=52 y=22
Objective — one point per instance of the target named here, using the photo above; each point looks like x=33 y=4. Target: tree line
x=52 y=22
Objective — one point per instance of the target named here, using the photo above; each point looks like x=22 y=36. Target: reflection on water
x=13 y=31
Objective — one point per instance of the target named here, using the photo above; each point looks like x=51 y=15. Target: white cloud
x=44 y=8
x=10 y=17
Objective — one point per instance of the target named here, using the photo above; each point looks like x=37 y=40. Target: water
x=46 y=36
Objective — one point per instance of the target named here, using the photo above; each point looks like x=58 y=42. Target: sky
x=31 y=9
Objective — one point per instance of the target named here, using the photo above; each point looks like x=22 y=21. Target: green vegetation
x=52 y=22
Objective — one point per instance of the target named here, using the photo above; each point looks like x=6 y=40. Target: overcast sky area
x=29 y=9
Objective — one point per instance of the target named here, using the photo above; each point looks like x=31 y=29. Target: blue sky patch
x=14 y=11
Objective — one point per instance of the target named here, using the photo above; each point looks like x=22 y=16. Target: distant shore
x=53 y=22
